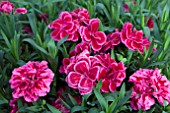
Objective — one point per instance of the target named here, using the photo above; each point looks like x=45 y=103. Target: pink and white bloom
x=6 y=7
x=134 y=39
x=64 y=26
x=90 y=34
x=149 y=85
x=84 y=71
x=111 y=73
x=112 y=40
x=31 y=81
x=20 y=11
x=81 y=15
x=80 y=48
x=81 y=74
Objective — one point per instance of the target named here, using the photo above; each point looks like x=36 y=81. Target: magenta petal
x=100 y=37
x=81 y=67
x=73 y=79
x=94 y=24
x=85 y=86
x=69 y=26
x=86 y=33
x=112 y=86
x=102 y=74
x=93 y=73
x=95 y=45
x=105 y=85
x=55 y=35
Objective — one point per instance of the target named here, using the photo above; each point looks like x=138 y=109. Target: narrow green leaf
x=31 y=18
x=36 y=46
x=6 y=40
x=78 y=108
x=74 y=102
x=33 y=108
x=65 y=104
x=61 y=41
x=99 y=85
x=3 y=102
x=100 y=98
x=122 y=91
x=93 y=110
x=52 y=109
x=113 y=105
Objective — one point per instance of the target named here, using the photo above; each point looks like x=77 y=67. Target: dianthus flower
x=111 y=73
x=134 y=39
x=112 y=40
x=81 y=15
x=81 y=74
x=13 y=106
x=91 y=35
x=31 y=81
x=148 y=85
x=20 y=11
x=80 y=48
x=6 y=7
x=84 y=71
x=126 y=8
x=150 y=23
x=64 y=26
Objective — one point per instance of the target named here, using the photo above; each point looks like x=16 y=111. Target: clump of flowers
x=6 y=7
x=111 y=73
x=84 y=71
x=149 y=85
x=31 y=81
x=134 y=39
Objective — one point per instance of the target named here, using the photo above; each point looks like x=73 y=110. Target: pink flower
x=81 y=74
x=64 y=26
x=57 y=104
x=143 y=102
x=31 y=81
x=20 y=11
x=126 y=7
x=148 y=85
x=13 y=106
x=160 y=86
x=6 y=7
x=90 y=34
x=80 y=48
x=112 y=40
x=134 y=39
x=150 y=23
x=81 y=15
x=111 y=73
